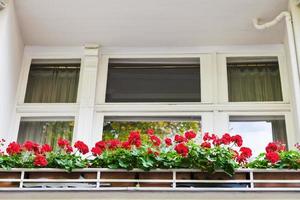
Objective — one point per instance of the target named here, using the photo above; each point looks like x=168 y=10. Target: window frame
x=205 y=63
x=223 y=83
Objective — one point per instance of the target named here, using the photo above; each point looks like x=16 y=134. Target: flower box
x=277 y=176
x=113 y=175
x=165 y=176
x=9 y=175
x=53 y=175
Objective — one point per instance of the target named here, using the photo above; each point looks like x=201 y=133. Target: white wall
x=295 y=10
x=11 y=53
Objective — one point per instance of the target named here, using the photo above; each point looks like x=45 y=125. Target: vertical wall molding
x=87 y=94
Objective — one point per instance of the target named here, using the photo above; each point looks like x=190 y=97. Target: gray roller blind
x=154 y=80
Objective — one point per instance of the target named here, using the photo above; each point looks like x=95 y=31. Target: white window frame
x=290 y=133
x=223 y=83
x=205 y=73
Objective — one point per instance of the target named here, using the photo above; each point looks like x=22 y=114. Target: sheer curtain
x=52 y=84
x=279 y=131
x=254 y=82
x=45 y=132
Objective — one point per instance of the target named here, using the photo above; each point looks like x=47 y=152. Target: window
x=45 y=130
x=53 y=81
x=153 y=80
x=258 y=131
x=253 y=79
x=119 y=127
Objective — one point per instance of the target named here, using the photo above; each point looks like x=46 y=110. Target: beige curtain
x=254 y=83
x=279 y=131
x=52 y=84
x=45 y=132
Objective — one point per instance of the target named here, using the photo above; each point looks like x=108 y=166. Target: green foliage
x=67 y=161
x=288 y=160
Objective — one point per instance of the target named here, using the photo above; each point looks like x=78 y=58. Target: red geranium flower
x=134 y=138
x=69 y=149
x=46 y=148
x=168 y=141
x=82 y=147
x=273 y=157
x=40 y=161
x=206 y=137
x=155 y=140
x=31 y=146
x=179 y=138
x=226 y=139
x=190 y=135
x=101 y=145
x=113 y=144
x=96 y=151
x=182 y=149
x=126 y=145
x=150 y=131
x=247 y=152
x=13 y=148
x=62 y=143
x=237 y=139
x=272 y=147
x=206 y=145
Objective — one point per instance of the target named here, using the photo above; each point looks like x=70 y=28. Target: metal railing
x=154 y=180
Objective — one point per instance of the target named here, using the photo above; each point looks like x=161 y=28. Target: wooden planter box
x=9 y=175
x=113 y=175
x=218 y=176
x=155 y=176
x=53 y=175
x=277 y=176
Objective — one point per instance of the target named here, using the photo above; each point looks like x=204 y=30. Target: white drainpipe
x=293 y=57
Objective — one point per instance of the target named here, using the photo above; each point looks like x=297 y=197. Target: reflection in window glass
x=253 y=79
x=45 y=131
x=119 y=127
x=257 y=132
x=52 y=82
x=153 y=80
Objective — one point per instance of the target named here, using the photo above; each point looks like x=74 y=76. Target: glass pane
x=52 y=83
x=46 y=131
x=253 y=79
x=154 y=80
x=257 y=132
x=119 y=127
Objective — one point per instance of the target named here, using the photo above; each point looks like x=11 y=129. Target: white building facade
x=215 y=102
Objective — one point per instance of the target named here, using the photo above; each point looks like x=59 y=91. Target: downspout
x=293 y=57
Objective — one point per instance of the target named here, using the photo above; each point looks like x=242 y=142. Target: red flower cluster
x=40 y=161
x=13 y=148
x=155 y=140
x=179 y=139
x=190 y=135
x=206 y=145
x=272 y=151
x=113 y=144
x=65 y=144
x=182 y=149
x=46 y=148
x=96 y=151
x=273 y=157
x=31 y=146
x=82 y=147
x=226 y=139
x=244 y=155
x=150 y=132
x=134 y=138
x=168 y=141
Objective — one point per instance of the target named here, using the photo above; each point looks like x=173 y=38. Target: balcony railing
x=155 y=180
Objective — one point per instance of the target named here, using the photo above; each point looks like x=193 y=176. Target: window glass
x=45 y=130
x=153 y=80
x=53 y=82
x=253 y=79
x=119 y=127
x=258 y=131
